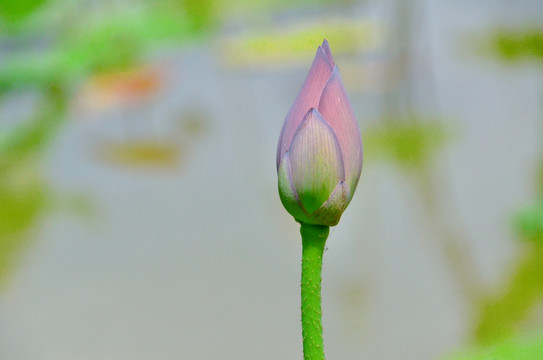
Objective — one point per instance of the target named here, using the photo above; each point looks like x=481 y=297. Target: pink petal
x=316 y=161
x=287 y=191
x=308 y=98
x=328 y=52
x=337 y=111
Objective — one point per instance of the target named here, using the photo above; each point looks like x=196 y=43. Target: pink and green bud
x=319 y=156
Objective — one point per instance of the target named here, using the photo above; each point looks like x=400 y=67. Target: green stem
x=313 y=240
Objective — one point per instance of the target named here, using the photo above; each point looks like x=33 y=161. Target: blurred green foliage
x=201 y=16
x=12 y=12
x=503 y=314
x=22 y=205
x=292 y=43
x=521 y=348
x=32 y=69
x=25 y=142
x=268 y=6
x=138 y=153
x=540 y=178
x=507 y=311
x=63 y=45
x=23 y=194
x=510 y=309
x=116 y=40
x=113 y=43
x=406 y=143
x=518 y=44
x=528 y=223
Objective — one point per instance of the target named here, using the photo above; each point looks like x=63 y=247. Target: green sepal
x=330 y=212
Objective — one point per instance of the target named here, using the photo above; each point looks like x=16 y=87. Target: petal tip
x=326 y=48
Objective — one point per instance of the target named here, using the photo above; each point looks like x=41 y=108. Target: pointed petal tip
x=308 y=97
x=311 y=114
x=326 y=56
x=326 y=48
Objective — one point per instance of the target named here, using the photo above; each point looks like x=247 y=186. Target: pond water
x=196 y=259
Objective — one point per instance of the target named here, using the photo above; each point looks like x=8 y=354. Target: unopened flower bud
x=319 y=156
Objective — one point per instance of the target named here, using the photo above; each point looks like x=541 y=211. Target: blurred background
x=139 y=216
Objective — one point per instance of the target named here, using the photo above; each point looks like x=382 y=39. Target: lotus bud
x=319 y=155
